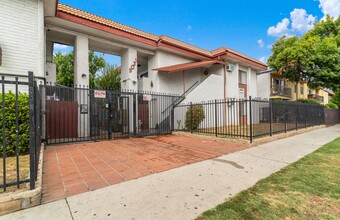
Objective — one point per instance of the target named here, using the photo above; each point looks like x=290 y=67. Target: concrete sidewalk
x=185 y=192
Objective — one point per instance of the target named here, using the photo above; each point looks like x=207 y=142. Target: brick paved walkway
x=76 y=168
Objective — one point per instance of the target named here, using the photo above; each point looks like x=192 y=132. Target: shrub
x=193 y=122
x=331 y=105
x=10 y=119
x=309 y=101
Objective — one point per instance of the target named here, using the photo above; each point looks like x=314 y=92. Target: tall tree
x=315 y=57
x=109 y=78
x=65 y=67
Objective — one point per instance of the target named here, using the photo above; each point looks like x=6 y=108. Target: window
x=242 y=77
x=301 y=90
x=310 y=91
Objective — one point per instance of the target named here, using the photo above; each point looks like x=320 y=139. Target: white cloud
x=60 y=46
x=263 y=59
x=189 y=28
x=298 y=23
x=331 y=7
x=260 y=43
x=270 y=46
x=280 y=29
x=301 y=21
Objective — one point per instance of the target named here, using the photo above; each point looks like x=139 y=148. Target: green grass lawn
x=307 y=189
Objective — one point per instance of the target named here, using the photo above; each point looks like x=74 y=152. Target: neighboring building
x=30 y=28
x=273 y=86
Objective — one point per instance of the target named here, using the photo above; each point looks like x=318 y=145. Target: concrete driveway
x=77 y=168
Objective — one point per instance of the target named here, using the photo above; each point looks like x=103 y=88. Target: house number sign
x=133 y=66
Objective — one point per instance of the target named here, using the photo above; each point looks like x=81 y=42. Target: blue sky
x=249 y=27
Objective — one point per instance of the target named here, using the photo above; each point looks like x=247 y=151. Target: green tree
x=315 y=57
x=109 y=78
x=336 y=97
x=65 y=67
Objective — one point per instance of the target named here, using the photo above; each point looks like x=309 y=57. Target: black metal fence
x=83 y=114
x=246 y=118
x=20 y=130
x=332 y=116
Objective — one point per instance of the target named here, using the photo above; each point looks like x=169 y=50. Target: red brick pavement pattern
x=76 y=168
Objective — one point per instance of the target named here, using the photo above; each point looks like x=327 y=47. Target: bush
x=309 y=101
x=23 y=123
x=193 y=122
x=331 y=105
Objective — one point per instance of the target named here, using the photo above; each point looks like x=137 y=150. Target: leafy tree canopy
x=314 y=58
x=109 y=78
x=65 y=67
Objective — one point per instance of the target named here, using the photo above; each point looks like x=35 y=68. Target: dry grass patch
x=11 y=170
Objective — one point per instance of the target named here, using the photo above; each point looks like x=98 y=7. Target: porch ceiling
x=186 y=66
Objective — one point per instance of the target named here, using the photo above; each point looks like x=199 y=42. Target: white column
x=41 y=41
x=129 y=70
x=81 y=61
x=249 y=83
x=129 y=81
x=81 y=79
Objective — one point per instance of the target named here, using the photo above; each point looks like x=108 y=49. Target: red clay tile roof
x=105 y=21
x=186 y=66
x=222 y=51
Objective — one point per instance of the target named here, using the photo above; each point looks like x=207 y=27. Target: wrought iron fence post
x=285 y=115
x=270 y=117
x=297 y=116
x=191 y=117
x=215 y=117
x=306 y=115
x=250 y=121
x=31 y=128
x=3 y=141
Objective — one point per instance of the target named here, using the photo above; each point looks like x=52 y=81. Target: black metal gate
x=82 y=114
x=109 y=116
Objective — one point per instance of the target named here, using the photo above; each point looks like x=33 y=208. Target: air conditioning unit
x=230 y=68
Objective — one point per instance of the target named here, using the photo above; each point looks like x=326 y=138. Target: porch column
x=129 y=70
x=81 y=61
x=81 y=80
x=129 y=82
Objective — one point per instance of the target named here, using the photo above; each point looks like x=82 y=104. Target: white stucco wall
x=170 y=82
x=263 y=86
x=22 y=37
x=232 y=82
x=209 y=89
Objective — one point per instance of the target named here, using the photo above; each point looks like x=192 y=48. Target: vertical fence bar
x=3 y=131
x=285 y=115
x=250 y=121
x=31 y=128
x=17 y=131
x=270 y=117
x=297 y=116
x=190 y=117
x=306 y=114
x=215 y=117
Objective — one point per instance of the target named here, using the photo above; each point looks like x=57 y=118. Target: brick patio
x=76 y=168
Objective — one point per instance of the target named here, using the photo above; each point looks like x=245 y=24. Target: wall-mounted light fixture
x=151 y=84
x=128 y=79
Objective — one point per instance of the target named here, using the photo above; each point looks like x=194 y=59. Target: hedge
x=197 y=117
x=10 y=120
x=331 y=105
x=309 y=101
